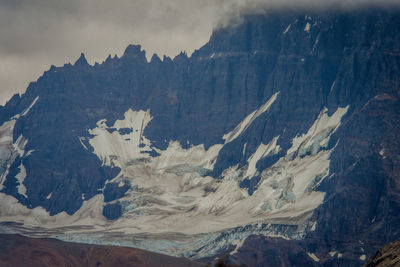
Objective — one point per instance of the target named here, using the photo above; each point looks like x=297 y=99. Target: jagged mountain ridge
x=311 y=61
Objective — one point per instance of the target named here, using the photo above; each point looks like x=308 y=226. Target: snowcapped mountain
x=278 y=139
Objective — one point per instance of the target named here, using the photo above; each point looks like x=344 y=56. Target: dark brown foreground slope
x=388 y=256
x=16 y=250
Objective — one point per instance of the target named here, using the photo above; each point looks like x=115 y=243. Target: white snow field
x=173 y=207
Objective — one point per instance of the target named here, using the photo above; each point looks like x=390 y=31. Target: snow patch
x=307 y=27
x=332 y=253
x=313 y=226
x=278 y=236
x=19 y=145
x=319 y=134
x=262 y=151
x=89 y=215
x=382 y=153
x=7 y=154
x=10 y=150
x=313 y=257
x=332 y=87
x=287 y=29
x=244 y=149
x=113 y=148
x=238 y=243
x=315 y=44
x=26 y=111
x=242 y=127
x=289 y=185
x=20 y=178
x=29 y=152
x=81 y=139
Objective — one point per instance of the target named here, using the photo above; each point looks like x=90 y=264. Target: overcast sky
x=35 y=34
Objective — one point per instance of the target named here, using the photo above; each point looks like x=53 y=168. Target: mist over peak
x=233 y=12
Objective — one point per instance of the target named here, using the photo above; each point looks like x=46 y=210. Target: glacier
x=173 y=205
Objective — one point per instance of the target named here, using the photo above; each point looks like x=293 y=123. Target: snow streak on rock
x=262 y=151
x=318 y=135
x=10 y=150
x=242 y=127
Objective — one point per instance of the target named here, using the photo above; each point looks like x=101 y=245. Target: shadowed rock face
x=18 y=251
x=261 y=251
x=329 y=59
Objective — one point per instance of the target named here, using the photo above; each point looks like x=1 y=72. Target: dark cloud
x=38 y=33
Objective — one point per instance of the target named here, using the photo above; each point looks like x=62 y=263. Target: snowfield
x=173 y=206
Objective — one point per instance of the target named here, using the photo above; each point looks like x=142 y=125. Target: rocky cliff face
x=285 y=124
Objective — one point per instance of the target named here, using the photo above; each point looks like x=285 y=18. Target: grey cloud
x=235 y=9
x=38 y=33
